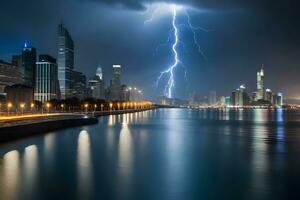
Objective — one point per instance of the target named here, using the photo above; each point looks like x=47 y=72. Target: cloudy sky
x=241 y=36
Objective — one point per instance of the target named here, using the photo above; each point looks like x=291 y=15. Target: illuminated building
x=96 y=85
x=46 y=85
x=239 y=97
x=260 y=84
x=28 y=65
x=269 y=96
x=279 y=99
x=65 y=61
x=115 y=84
x=79 y=85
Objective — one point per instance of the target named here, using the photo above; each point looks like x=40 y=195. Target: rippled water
x=160 y=154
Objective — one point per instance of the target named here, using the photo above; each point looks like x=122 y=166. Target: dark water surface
x=160 y=154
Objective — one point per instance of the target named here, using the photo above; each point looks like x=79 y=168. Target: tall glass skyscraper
x=28 y=65
x=65 y=61
x=115 y=86
x=260 y=83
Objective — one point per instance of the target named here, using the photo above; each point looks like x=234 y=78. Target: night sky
x=242 y=35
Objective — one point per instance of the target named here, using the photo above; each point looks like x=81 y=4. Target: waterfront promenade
x=13 y=127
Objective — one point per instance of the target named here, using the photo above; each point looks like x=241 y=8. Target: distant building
x=227 y=101
x=28 y=65
x=260 y=84
x=222 y=101
x=46 y=85
x=99 y=73
x=279 y=99
x=96 y=85
x=17 y=94
x=65 y=61
x=269 y=96
x=115 y=85
x=212 y=98
x=124 y=93
x=9 y=75
x=79 y=85
x=239 y=97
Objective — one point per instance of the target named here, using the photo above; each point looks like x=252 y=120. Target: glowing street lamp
x=22 y=105
x=48 y=105
x=95 y=107
x=110 y=106
x=31 y=106
x=86 y=107
x=9 y=106
x=101 y=107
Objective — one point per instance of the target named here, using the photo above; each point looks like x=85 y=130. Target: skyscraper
x=96 y=85
x=260 y=83
x=79 y=85
x=46 y=85
x=99 y=72
x=65 y=61
x=115 y=86
x=28 y=65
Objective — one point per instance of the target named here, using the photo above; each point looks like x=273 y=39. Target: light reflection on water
x=160 y=154
x=30 y=168
x=84 y=166
x=10 y=175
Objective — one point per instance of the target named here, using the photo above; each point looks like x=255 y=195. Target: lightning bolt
x=194 y=30
x=174 y=33
x=170 y=71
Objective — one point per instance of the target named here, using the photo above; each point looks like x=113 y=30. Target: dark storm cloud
x=262 y=31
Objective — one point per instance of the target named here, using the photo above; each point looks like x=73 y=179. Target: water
x=160 y=154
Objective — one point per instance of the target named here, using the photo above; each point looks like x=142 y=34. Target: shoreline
x=24 y=128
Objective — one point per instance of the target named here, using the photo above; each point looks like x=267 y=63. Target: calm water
x=160 y=154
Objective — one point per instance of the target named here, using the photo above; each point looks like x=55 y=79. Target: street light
x=86 y=108
x=31 y=106
x=9 y=105
x=62 y=106
x=110 y=106
x=48 y=106
x=22 y=105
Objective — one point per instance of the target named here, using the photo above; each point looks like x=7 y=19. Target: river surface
x=160 y=154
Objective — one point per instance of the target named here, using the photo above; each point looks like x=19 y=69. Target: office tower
x=96 y=85
x=115 y=86
x=79 y=85
x=46 y=85
x=65 y=62
x=269 y=95
x=227 y=101
x=99 y=73
x=9 y=75
x=212 y=99
x=28 y=65
x=260 y=83
x=99 y=78
x=279 y=99
x=240 y=97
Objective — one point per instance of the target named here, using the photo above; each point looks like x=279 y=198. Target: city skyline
x=226 y=63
